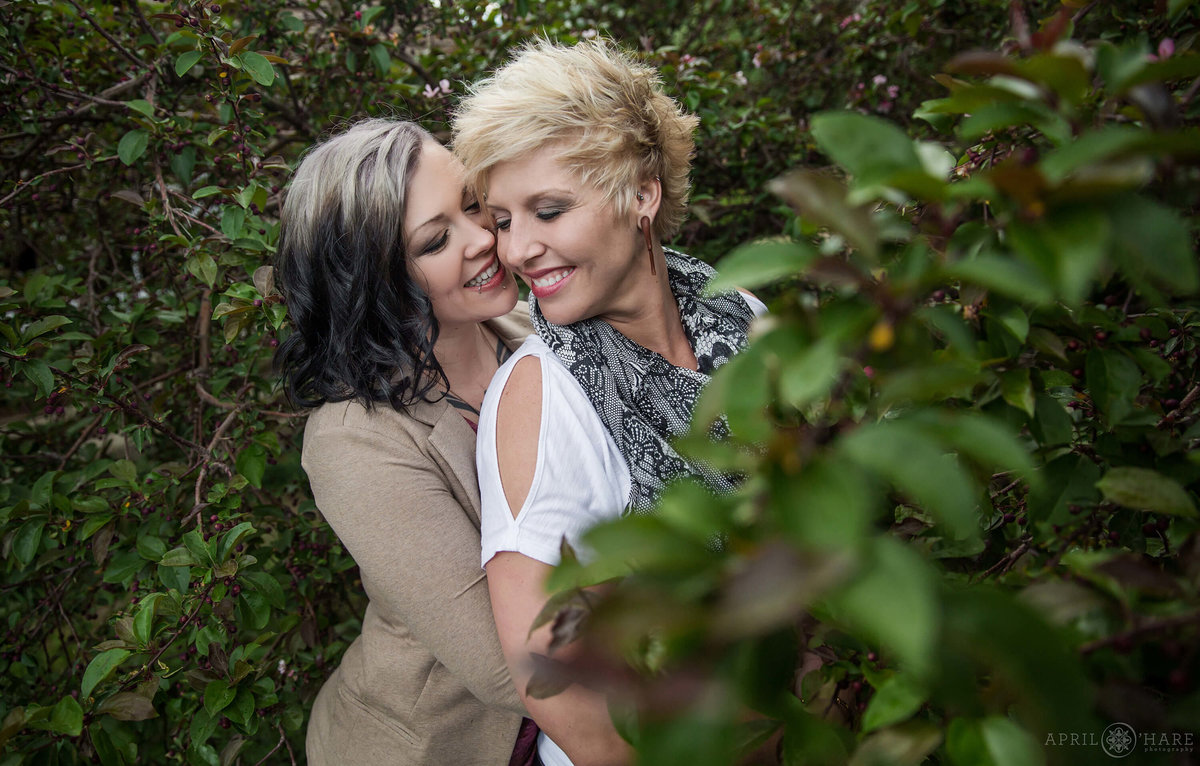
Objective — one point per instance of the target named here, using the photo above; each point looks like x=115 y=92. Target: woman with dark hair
x=401 y=313
x=584 y=160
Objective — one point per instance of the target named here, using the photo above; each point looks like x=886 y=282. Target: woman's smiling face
x=562 y=238
x=451 y=255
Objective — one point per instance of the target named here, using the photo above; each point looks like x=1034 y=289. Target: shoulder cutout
x=518 y=430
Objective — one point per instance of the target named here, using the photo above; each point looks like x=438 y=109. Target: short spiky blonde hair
x=608 y=114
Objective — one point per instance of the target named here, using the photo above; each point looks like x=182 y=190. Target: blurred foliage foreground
x=968 y=531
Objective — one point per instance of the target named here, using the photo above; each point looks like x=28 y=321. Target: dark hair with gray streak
x=361 y=326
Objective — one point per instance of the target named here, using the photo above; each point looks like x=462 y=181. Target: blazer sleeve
x=416 y=547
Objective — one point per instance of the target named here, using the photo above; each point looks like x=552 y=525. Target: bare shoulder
x=518 y=430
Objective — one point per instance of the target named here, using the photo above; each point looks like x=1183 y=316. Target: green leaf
x=1009 y=744
x=895 y=700
x=43 y=326
x=142 y=106
x=827 y=506
x=894 y=603
x=1007 y=276
x=1017 y=389
x=242 y=708
x=252 y=463
x=919 y=466
x=206 y=191
x=1090 y=148
x=822 y=199
x=1050 y=424
x=258 y=67
x=201 y=727
x=381 y=58
x=760 y=263
x=985 y=440
x=217 y=696
x=39 y=373
x=143 y=623
x=174 y=578
x=183 y=163
x=268 y=586
x=67 y=717
x=99 y=668
x=124 y=470
x=150 y=547
x=253 y=609
x=871 y=149
x=1068 y=248
x=203 y=267
x=1146 y=490
x=127 y=706
x=179 y=557
x=123 y=567
x=231 y=539
x=233 y=218
x=198 y=547
x=1153 y=241
x=186 y=61
x=809 y=376
x=132 y=145
x=27 y=540
x=1113 y=380
x=906 y=744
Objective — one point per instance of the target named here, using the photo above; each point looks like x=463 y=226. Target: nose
x=517 y=247
x=483 y=241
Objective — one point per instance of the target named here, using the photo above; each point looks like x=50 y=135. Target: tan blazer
x=425 y=682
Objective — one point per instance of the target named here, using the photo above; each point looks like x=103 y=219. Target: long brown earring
x=645 y=224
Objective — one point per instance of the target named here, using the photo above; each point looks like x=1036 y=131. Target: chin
x=561 y=315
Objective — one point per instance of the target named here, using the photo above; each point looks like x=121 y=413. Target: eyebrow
x=543 y=195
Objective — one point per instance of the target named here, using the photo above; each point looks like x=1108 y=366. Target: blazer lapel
x=454 y=441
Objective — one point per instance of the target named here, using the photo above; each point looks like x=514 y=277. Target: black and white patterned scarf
x=642 y=399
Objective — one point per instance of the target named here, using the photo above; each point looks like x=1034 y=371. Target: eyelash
x=502 y=224
x=437 y=244
x=440 y=242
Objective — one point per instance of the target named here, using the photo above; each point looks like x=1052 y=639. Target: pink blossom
x=445 y=86
x=869 y=371
x=1166 y=48
x=431 y=92
x=885 y=106
x=878 y=79
x=893 y=91
x=757 y=60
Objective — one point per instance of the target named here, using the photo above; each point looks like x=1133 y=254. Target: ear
x=650 y=191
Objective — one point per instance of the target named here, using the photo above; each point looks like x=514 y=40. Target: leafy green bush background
x=968 y=427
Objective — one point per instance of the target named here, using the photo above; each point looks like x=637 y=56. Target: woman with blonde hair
x=401 y=313
x=584 y=162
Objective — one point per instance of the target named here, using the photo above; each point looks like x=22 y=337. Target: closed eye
x=436 y=244
x=548 y=215
x=502 y=224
